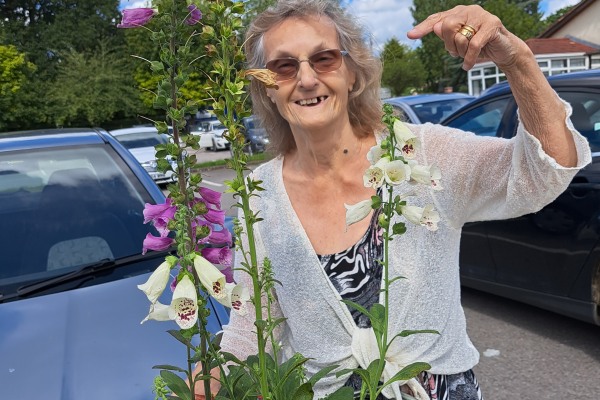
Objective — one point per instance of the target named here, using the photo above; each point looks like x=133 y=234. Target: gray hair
x=364 y=104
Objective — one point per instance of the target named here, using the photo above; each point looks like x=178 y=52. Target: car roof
x=32 y=139
x=426 y=98
x=135 y=129
x=578 y=78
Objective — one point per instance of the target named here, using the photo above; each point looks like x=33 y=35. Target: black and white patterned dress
x=356 y=274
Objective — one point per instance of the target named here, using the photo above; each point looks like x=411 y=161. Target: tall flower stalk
x=392 y=164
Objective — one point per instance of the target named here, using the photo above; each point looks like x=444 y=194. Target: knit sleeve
x=488 y=178
x=239 y=335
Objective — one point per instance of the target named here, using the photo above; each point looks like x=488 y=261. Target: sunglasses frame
x=341 y=52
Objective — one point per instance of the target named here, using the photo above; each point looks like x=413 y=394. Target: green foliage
x=402 y=68
x=91 y=88
x=14 y=69
x=522 y=17
x=558 y=14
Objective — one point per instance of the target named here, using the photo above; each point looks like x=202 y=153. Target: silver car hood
x=85 y=344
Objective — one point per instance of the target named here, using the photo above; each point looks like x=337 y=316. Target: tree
x=14 y=69
x=440 y=68
x=522 y=17
x=402 y=68
x=92 y=88
x=47 y=31
x=558 y=14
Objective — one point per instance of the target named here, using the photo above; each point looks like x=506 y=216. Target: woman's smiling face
x=312 y=100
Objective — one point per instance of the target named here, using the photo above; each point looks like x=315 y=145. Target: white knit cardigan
x=483 y=178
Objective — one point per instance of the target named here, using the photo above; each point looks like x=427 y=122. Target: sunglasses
x=322 y=61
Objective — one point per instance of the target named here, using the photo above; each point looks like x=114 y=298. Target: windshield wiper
x=85 y=271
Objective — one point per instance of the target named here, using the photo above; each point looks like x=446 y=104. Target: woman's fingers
x=467 y=32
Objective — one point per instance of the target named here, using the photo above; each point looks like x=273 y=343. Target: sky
x=385 y=19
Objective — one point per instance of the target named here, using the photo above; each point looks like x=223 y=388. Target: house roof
x=565 y=19
x=559 y=45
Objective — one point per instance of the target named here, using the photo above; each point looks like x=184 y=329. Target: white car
x=140 y=141
x=211 y=135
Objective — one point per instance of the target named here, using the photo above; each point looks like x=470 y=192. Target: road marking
x=212 y=183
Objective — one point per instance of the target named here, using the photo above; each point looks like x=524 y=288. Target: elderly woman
x=322 y=120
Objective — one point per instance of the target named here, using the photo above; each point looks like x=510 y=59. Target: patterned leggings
x=461 y=386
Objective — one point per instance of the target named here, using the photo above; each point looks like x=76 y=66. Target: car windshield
x=64 y=208
x=140 y=139
x=436 y=111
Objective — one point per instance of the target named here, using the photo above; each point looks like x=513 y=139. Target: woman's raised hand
x=470 y=32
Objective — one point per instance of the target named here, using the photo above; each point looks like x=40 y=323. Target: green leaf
x=377 y=317
x=358 y=307
x=177 y=335
x=409 y=372
x=343 y=393
x=176 y=384
x=321 y=373
x=304 y=392
x=169 y=368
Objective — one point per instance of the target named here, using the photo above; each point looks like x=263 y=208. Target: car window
x=436 y=111
x=586 y=115
x=483 y=120
x=140 y=139
x=66 y=208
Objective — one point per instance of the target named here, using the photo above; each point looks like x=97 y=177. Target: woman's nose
x=307 y=76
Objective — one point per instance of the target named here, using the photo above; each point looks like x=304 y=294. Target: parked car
x=140 y=141
x=422 y=108
x=256 y=136
x=71 y=243
x=550 y=259
x=212 y=135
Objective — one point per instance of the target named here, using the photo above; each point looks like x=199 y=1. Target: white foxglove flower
x=373 y=177
x=158 y=312
x=157 y=282
x=183 y=308
x=412 y=213
x=406 y=141
x=424 y=216
x=375 y=154
x=427 y=175
x=236 y=298
x=358 y=211
x=211 y=278
x=396 y=172
x=430 y=218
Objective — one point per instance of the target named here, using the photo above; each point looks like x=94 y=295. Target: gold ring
x=467 y=31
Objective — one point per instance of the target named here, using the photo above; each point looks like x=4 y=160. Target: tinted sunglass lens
x=326 y=60
x=285 y=68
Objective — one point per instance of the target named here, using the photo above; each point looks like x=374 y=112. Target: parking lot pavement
x=205 y=155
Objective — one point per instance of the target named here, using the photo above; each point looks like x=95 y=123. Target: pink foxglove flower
x=194 y=16
x=218 y=255
x=210 y=196
x=135 y=17
x=152 y=242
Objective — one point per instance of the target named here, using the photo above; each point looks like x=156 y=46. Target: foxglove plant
x=392 y=164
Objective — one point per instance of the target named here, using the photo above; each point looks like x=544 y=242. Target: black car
x=550 y=259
